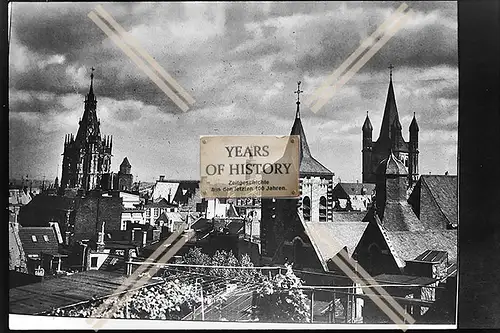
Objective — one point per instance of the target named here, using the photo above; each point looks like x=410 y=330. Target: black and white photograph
x=112 y=104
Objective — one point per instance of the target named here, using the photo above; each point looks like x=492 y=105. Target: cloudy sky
x=240 y=62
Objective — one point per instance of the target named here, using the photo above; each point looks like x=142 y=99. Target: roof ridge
x=390 y=245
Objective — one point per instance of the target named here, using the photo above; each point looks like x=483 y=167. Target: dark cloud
x=239 y=61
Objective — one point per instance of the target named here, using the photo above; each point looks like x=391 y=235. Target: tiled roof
x=348 y=216
x=162 y=190
x=54 y=201
x=391 y=166
x=431 y=256
x=42 y=297
x=160 y=203
x=329 y=238
x=355 y=188
x=408 y=245
x=444 y=190
x=235 y=227
x=125 y=163
x=36 y=240
x=398 y=216
x=403 y=279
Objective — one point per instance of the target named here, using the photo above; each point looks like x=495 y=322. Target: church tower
x=315 y=203
x=390 y=140
x=87 y=156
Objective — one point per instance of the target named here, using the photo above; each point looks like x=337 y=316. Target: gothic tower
x=390 y=139
x=87 y=156
x=125 y=179
x=281 y=216
x=367 y=149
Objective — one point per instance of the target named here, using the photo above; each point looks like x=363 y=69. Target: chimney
x=162 y=178
x=144 y=238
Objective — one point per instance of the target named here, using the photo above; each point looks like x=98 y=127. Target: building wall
x=314 y=188
x=92 y=211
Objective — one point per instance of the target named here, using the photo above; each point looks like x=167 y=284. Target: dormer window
x=46 y=238
x=33 y=238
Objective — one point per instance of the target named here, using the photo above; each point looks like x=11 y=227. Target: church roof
x=399 y=216
x=390 y=113
x=308 y=164
x=392 y=166
x=414 y=125
x=89 y=124
x=367 y=125
x=125 y=163
x=443 y=189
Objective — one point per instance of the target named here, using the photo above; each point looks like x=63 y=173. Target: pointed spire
x=414 y=125
x=390 y=111
x=396 y=125
x=367 y=126
x=90 y=95
x=297 y=128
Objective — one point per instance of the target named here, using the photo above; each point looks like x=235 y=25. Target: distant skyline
x=241 y=63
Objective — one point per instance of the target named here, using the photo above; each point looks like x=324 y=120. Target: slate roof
x=329 y=238
x=125 y=163
x=355 y=188
x=308 y=164
x=403 y=279
x=399 y=216
x=235 y=227
x=390 y=114
x=431 y=256
x=38 y=298
x=408 y=245
x=348 y=216
x=46 y=240
x=391 y=166
x=160 y=203
x=444 y=191
x=162 y=189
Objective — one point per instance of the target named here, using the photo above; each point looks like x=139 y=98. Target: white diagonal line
x=127 y=37
x=131 y=279
x=119 y=42
x=365 y=44
x=368 y=55
x=141 y=282
x=376 y=299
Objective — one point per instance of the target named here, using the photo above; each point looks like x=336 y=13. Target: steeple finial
x=390 y=70
x=298 y=91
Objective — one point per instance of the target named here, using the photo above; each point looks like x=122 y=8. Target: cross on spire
x=298 y=92
x=390 y=70
x=297 y=115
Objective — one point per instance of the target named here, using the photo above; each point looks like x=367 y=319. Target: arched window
x=375 y=256
x=297 y=252
x=306 y=208
x=322 y=209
